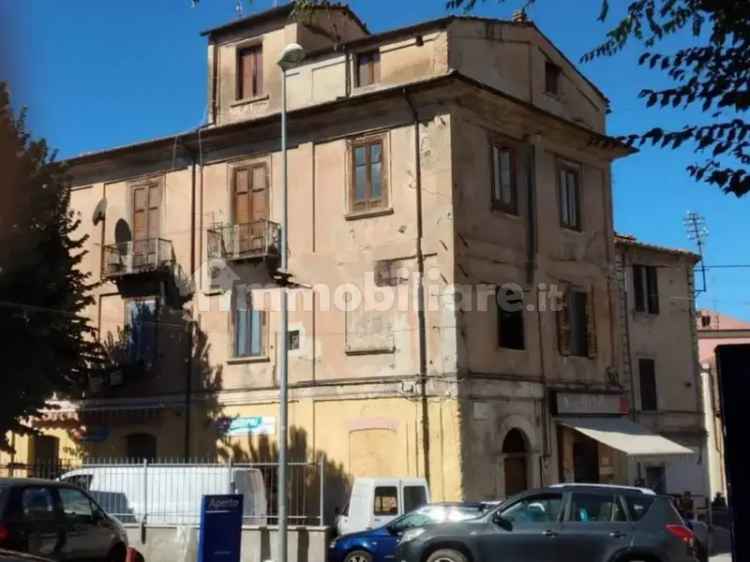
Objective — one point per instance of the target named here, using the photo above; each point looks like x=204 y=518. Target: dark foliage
x=713 y=73
x=47 y=345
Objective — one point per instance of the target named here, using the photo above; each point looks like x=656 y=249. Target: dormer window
x=552 y=78
x=249 y=72
x=368 y=68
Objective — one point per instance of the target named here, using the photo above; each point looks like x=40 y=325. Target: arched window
x=515 y=462
x=141 y=446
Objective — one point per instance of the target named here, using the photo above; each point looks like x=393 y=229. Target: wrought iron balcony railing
x=251 y=240
x=136 y=257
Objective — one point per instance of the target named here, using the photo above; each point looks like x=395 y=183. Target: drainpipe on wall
x=532 y=245
x=421 y=318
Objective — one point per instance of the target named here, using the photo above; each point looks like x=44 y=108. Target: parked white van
x=376 y=501
x=169 y=494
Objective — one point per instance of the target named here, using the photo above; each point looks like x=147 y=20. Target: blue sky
x=96 y=74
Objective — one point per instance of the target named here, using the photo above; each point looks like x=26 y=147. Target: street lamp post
x=291 y=56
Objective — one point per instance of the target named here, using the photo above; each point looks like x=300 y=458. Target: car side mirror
x=502 y=522
x=393 y=530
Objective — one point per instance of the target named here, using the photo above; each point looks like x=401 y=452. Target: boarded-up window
x=248 y=324
x=369 y=189
x=250 y=206
x=646 y=288
x=647 y=371
x=576 y=324
x=510 y=328
x=250 y=72
x=504 y=190
x=569 y=197
x=368 y=68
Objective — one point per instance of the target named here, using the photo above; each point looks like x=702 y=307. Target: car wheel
x=358 y=556
x=446 y=555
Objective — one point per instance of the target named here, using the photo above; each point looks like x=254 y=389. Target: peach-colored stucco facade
x=376 y=391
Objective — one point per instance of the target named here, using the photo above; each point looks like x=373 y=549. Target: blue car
x=379 y=545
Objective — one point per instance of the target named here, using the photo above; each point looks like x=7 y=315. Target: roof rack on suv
x=646 y=491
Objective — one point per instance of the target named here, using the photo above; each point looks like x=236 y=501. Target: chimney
x=519 y=16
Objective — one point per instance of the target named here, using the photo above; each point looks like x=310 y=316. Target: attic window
x=250 y=72
x=552 y=78
x=368 y=68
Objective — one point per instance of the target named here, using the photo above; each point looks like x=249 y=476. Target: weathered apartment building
x=428 y=165
x=660 y=365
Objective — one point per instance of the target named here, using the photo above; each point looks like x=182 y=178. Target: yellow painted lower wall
x=352 y=437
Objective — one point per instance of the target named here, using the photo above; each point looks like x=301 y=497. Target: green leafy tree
x=48 y=347
x=710 y=72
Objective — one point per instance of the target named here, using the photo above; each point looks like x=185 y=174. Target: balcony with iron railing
x=248 y=241
x=137 y=257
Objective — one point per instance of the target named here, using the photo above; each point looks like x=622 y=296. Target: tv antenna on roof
x=697 y=231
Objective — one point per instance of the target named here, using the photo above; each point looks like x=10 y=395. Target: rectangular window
x=646 y=288
x=596 y=508
x=414 y=498
x=647 y=370
x=146 y=213
x=368 y=68
x=504 y=191
x=368 y=183
x=510 y=327
x=552 y=78
x=249 y=328
x=250 y=72
x=569 y=197
x=249 y=209
x=576 y=324
x=142 y=321
x=37 y=504
x=386 y=500
x=293 y=339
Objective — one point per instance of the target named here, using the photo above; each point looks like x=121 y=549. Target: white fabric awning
x=626 y=436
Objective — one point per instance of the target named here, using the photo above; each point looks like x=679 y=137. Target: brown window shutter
x=652 y=284
x=563 y=323
x=140 y=212
x=591 y=324
x=375 y=67
x=259 y=201
x=241 y=197
x=258 y=89
x=154 y=204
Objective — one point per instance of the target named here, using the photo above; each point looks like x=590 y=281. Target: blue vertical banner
x=220 y=536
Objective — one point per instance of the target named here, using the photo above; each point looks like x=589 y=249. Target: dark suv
x=57 y=521
x=564 y=523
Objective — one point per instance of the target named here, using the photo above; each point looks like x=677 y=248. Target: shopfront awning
x=626 y=436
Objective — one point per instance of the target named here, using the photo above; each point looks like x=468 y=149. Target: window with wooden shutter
x=250 y=72
x=563 y=324
x=250 y=206
x=369 y=187
x=368 y=68
x=590 y=325
x=576 y=324
x=646 y=289
x=647 y=377
x=146 y=210
x=504 y=186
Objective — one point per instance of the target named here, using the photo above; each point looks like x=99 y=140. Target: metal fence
x=169 y=491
